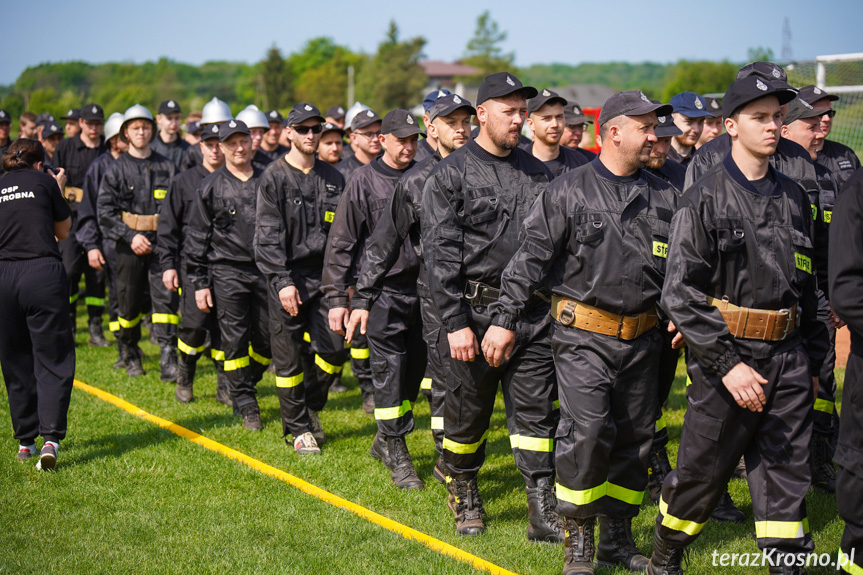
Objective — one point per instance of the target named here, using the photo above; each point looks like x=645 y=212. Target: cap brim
x=471 y=110
x=660 y=109
x=406 y=131
x=667 y=131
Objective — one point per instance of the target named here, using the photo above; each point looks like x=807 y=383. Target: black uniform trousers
x=530 y=396
x=825 y=404
x=398 y=359
x=240 y=295
x=37 y=350
x=76 y=263
x=195 y=325
x=608 y=398
x=849 y=457
x=437 y=363
x=774 y=443
x=668 y=359
x=303 y=386
x=361 y=363
x=109 y=250
x=134 y=274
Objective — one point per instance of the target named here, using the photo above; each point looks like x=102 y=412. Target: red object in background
x=592 y=129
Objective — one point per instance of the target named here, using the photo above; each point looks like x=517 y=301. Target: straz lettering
x=329 y=217
x=814 y=212
x=803 y=263
x=827 y=216
x=159 y=193
x=660 y=250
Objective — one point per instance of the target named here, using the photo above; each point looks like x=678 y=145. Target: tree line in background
x=318 y=73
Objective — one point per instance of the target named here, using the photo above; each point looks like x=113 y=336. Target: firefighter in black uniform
x=599 y=237
x=221 y=266
x=130 y=196
x=546 y=120
x=174 y=219
x=740 y=290
x=836 y=157
x=37 y=351
x=396 y=330
x=846 y=288
x=168 y=141
x=270 y=143
x=297 y=199
x=215 y=112
x=576 y=122
x=690 y=110
x=659 y=164
x=101 y=251
x=474 y=203
x=449 y=123
x=427 y=146
x=75 y=155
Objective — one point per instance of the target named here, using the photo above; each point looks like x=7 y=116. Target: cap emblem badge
x=643 y=97
x=69 y=113
x=509 y=81
x=171 y=104
x=370 y=114
x=307 y=108
x=546 y=93
x=807 y=104
x=233 y=124
x=456 y=100
x=274 y=114
x=440 y=94
x=714 y=104
x=410 y=120
x=760 y=85
x=215 y=128
x=777 y=73
x=817 y=90
x=341 y=110
x=661 y=119
x=2 y=114
x=95 y=110
x=698 y=103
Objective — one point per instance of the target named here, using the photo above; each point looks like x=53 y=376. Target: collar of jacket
x=737 y=176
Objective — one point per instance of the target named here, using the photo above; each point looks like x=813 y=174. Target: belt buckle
x=472 y=292
x=567 y=314
x=620 y=327
x=787 y=313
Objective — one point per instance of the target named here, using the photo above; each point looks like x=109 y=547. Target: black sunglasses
x=303 y=130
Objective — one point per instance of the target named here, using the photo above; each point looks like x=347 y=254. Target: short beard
x=656 y=163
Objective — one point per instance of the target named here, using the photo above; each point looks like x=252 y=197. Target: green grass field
x=129 y=497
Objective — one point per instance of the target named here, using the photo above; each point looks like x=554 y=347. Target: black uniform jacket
x=729 y=240
x=846 y=261
x=193 y=157
x=88 y=233
x=294 y=215
x=672 y=172
x=176 y=212
x=424 y=150
x=474 y=205
x=366 y=196
x=567 y=160
x=397 y=230
x=684 y=161
x=276 y=154
x=175 y=151
x=822 y=200
x=596 y=238
x=348 y=166
x=839 y=159
x=221 y=229
x=135 y=186
x=75 y=157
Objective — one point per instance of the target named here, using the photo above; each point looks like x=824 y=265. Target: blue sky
x=571 y=31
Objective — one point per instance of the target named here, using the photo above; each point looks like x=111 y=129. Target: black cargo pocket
x=803 y=264
x=732 y=238
x=659 y=244
x=379 y=367
x=564 y=444
x=483 y=205
x=453 y=381
x=589 y=232
x=268 y=231
x=702 y=444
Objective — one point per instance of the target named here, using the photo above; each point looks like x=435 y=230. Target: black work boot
x=823 y=472
x=725 y=510
x=660 y=467
x=251 y=416
x=121 y=362
x=740 y=470
x=168 y=364
x=438 y=471
x=401 y=466
x=379 y=449
x=544 y=522
x=132 y=358
x=616 y=546
x=578 y=546
x=465 y=503
x=667 y=558
x=97 y=337
x=368 y=399
x=186 y=367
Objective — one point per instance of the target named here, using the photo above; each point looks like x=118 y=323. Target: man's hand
x=171 y=280
x=745 y=383
x=141 y=245
x=497 y=345
x=359 y=317
x=815 y=388
x=59 y=175
x=290 y=298
x=677 y=341
x=339 y=317
x=95 y=259
x=834 y=320
x=204 y=300
x=463 y=345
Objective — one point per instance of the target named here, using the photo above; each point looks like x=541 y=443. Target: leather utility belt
x=141 y=223
x=760 y=324
x=479 y=294
x=582 y=316
x=74 y=194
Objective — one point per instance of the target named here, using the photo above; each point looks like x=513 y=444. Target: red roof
x=438 y=68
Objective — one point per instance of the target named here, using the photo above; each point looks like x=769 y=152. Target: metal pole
x=350 y=86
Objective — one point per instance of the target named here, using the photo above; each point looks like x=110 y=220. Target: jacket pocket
x=483 y=205
x=703 y=439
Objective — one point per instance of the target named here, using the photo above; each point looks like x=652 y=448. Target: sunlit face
x=572 y=135
x=502 y=119
x=548 y=123
x=139 y=133
x=401 y=151
x=712 y=128
x=27 y=129
x=271 y=138
x=72 y=127
x=92 y=129
x=237 y=150
x=452 y=131
x=257 y=137
x=807 y=132
x=826 y=119
x=637 y=137
x=212 y=152
x=169 y=123
x=659 y=153
x=368 y=139
x=691 y=128
x=330 y=148
x=756 y=126
x=306 y=143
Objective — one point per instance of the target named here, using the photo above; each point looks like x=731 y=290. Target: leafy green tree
x=699 y=77
x=392 y=78
x=484 y=51
x=278 y=86
x=759 y=54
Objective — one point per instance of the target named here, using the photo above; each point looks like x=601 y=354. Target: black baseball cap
x=169 y=107
x=751 y=88
x=813 y=93
x=193 y=127
x=330 y=127
x=433 y=96
x=544 y=97
x=73 y=114
x=364 y=118
x=336 y=112
x=52 y=128
x=666 y=128
x=630 y=103
x=502 y=84
x=714 y=106
x=573 y=114
x=772 y=73
x=446 y=105
x=92 y=112
x=44 y=118
x=400 y=123
x=690 y=104
x=302 y=112
x=5 y=118
x=228 y=129
x=275 y=116
x=799 y=109
x=210 y=131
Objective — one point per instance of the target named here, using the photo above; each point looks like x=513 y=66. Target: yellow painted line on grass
x=304 y=486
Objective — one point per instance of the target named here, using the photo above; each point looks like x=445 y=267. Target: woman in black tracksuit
x=37 y=352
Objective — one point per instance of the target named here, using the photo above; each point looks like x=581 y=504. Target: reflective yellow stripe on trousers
x=848 y=566
x=426 y=383
x=585 y=496
x=166 y=318
x=327 y=367
x=128 y=323
x=188 y=349
x=289 y=381
x=360 y=353
x=782 y=529
x=94 y=301
x=824 y=405
x=689 y=527
x=235 y=364
x=258 y=357
x=387 y=413
x=545 y=444
x=463 y=448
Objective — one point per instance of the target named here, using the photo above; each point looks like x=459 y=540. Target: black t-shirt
x=30 y=203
